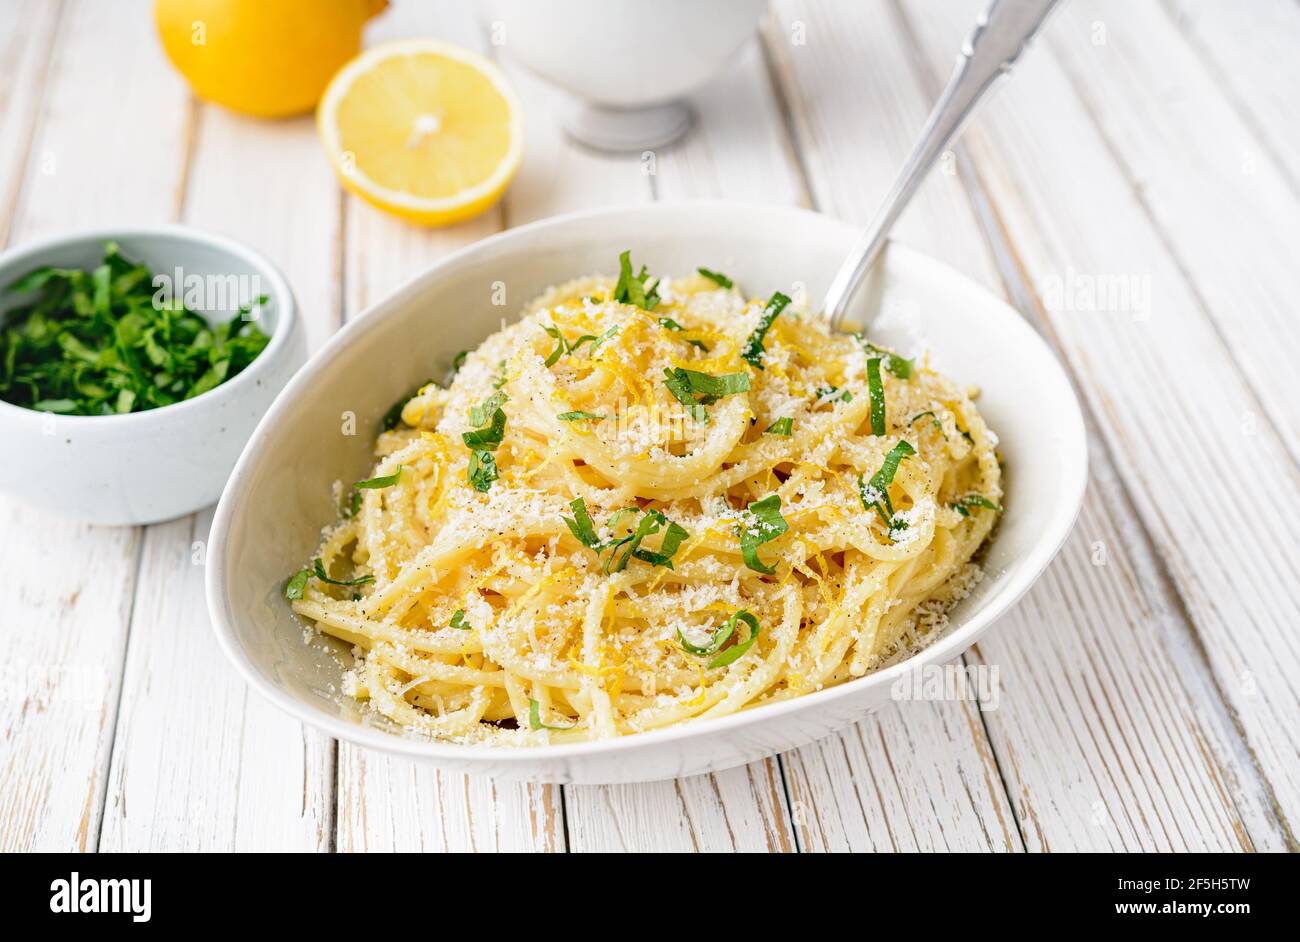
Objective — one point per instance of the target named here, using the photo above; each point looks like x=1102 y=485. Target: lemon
x=423 y=129
x=269 y=58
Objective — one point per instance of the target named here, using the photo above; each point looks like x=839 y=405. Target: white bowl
x=142 y=467
x=628 y=60
x=270 y=516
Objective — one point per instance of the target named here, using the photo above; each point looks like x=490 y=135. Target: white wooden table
x=1151 y=680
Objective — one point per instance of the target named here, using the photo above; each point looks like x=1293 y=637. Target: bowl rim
x=1054 y=531
x=280 y=293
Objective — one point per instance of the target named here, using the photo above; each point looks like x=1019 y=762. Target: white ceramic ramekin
x=142 y=467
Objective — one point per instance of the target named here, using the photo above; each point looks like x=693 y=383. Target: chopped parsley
x=640 y=290
x=964 y=505
x=483 y=441
x=717 y=277
x=575 y=416
x=535 y=719
x=388 y=480
x=875 y=493
x=669 y=324
x=761 y=524
x=899 y=366
x=98 y=343
x=488 y=437
x=782 y=426
x=584 y=531
x=481 y=413
x=876 y=389
x=562 y=346
x=720 y=637
x=696 y=390
x=297 y=584
x=829 y=394
x=921 y=415
x=458 y=620
x=318 y=569
x=681 y=391
x=482 y=470
x=753 y=352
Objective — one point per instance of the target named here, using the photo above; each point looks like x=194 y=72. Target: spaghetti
x=650 y=502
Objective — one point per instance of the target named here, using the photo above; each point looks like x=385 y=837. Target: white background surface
x=1150 y=682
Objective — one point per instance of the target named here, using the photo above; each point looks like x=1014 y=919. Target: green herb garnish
x=483 y=470
x=297 y=584
x=535 y=719
x=458 y=620
x=833 y=394
x=717 y=277
x=481 y=442
x=876 y=389
x=318 y=568
x=388 y=480
x=489 y=437
x=963 y=505
x=97 y=343
x=762 y=524
x=681 y=391
x=899 y=366
x=481 y=413
x=720 y=637
x=696 y=390
x=640 y=290
x=782 y=426
x=584 y=531
x=575 y=416
x=669 y=324
x=562 y=346
x=921 y=415
x=753 y=352
x=875 y=493
x=581 y=525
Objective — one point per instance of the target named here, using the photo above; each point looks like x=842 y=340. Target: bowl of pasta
x=602 y=499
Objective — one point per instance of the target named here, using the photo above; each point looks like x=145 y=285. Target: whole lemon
x=269 y=58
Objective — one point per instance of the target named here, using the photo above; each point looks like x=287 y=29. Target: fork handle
x=1001 y=34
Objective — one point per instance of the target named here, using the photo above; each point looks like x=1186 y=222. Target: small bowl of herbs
x=134 y=365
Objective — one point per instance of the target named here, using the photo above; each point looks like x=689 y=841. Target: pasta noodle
x=621 y=515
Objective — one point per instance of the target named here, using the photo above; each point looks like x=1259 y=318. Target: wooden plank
x=200 y=762
x=742 y=809
x=27 y=37
x=67 y=619
x=1253 y=62
x=1158 y=380
x=1221 y=199
x=878 y=787
x=391 y=805
x=387 y=803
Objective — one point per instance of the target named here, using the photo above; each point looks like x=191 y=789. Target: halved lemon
x=423 y=129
